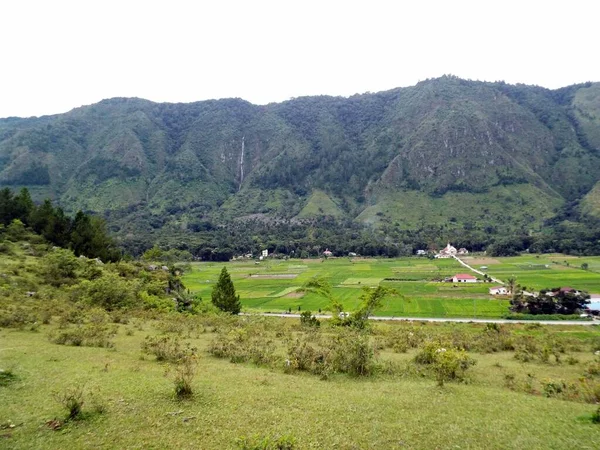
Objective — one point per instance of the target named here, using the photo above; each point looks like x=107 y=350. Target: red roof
x=464 y=276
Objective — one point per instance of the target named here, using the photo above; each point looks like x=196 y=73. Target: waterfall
x=242 y=163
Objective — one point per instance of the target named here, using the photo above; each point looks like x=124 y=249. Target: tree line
x=83 y=234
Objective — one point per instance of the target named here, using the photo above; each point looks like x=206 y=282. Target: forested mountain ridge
x=444 y=151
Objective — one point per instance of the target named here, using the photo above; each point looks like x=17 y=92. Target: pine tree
x=223 y=294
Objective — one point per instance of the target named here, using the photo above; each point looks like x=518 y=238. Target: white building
x=448 y=252
x=464 y=278
x=498 y=290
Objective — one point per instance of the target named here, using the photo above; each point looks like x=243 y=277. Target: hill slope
x=504 y=151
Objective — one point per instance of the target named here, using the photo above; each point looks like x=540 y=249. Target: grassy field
x=139 y=409
x=270 y=285
x=546 y=271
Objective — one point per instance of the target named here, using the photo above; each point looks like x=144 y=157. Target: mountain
x=446 y=151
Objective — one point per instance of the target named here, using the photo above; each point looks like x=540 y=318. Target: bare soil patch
x=275 y=276
x=483 y=261
x=294 y=295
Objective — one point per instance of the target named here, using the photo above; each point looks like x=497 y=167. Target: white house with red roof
x=464 y=278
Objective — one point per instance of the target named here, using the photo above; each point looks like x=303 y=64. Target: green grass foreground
x=270 y=285
x=396 y=410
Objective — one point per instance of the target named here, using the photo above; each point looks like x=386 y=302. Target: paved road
x=442 y=319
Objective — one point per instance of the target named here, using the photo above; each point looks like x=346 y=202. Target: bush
x=18 y=317
x=243 y=345
x=59 y=267
x=109 y=292
x=88 y=335
x=596 y=416
x=7 y=376
x=304 y=355
x=345 y=352
x=72 y=399
x=446 y=362
x=450 y=364
x=184 y=375
x=166 y=348
x=308 y=320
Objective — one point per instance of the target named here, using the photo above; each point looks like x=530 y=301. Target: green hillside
x=446 y=151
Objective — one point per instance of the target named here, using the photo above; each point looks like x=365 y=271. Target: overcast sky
x=57 y=55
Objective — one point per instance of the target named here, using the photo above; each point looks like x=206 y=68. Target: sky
x=57 y=55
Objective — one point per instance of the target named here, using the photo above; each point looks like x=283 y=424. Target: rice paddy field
x=271 y=285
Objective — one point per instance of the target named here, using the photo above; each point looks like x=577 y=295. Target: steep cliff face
x=228 y=158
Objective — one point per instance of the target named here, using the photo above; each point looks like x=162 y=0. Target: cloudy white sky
x=57 y=55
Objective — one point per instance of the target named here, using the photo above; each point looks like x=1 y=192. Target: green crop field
x=547 y=271
x=270 y=286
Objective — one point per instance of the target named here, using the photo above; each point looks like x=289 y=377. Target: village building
x=447 y=252
x=421 y=252
x=327 y=253
x=498 y=290
x=462 y=251
x=464 y=278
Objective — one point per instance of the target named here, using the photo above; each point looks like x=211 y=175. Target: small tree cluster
x=554 y=301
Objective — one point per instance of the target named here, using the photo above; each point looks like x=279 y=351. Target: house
x=351 y=254
x=562 y=290
x=421 y=252
x=498 y=290
x=462 y=251
x=327 y=253
x=447 y=252
x=464 y=278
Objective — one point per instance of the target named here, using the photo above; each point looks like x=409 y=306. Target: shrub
x=243 y=345
x=445 y=361
x=308 y=320
x=184 y=375
x=72 y=399
x=166 y=348
x=109 y=291
x=18 y=317
x=303 y=355
x=7 y=376
x=450 y=364
x=88 y=335
x=353 y=354
x=596 y=416
x=59 y=267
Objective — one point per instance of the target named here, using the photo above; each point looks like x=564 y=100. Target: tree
x=511 y=285
x=223 y=294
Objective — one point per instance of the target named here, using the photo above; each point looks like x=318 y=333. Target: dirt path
x=495 y=280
